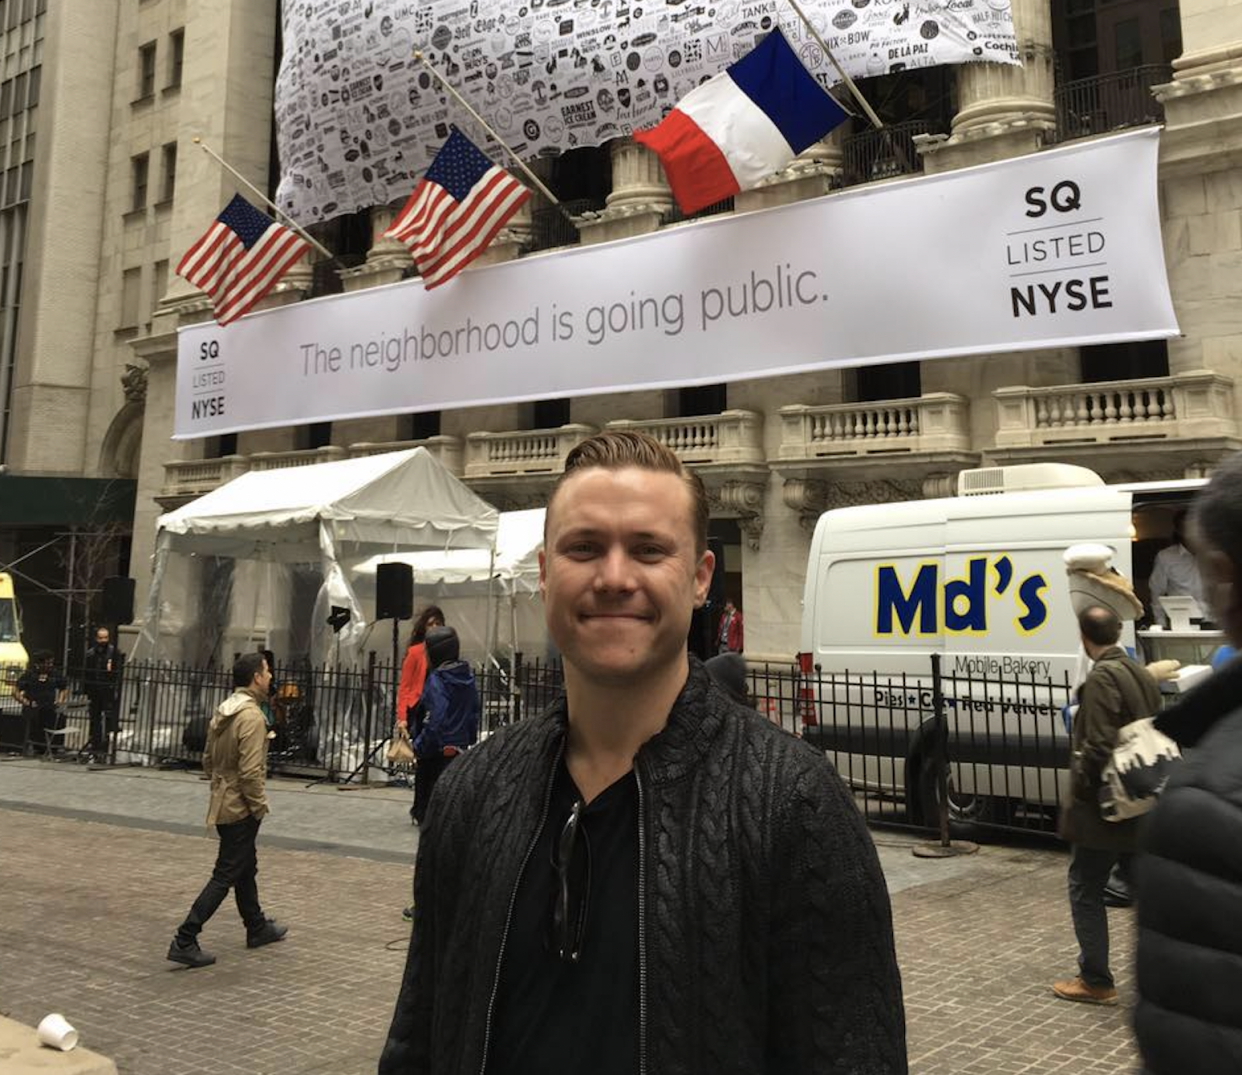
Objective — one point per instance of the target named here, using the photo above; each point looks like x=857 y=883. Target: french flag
x=740 y=126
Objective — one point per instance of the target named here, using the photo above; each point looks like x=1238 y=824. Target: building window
x=893 y=380
x=146 y=71
x=131 y=287
x=170 y=172
x=423 y=425
x=549 y=414
x=140 y=166
x=702 y=399
x=1124 y=361
x=224 y=444
x=315 y=435
x=33 y=87
x=176 y=57
x=159 y=284
x=19 y=95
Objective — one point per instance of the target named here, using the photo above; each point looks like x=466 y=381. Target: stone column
x=1201 y=190
x=226 y=94
x=387 y=259
x=1003 y=110
x=640 y=196
x=813 y=172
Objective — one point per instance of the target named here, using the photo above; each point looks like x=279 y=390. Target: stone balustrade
x=446 y=450
x=936 y=422
x=1184 y=406
x=728 y=437
x=304 y=457
x=193 y=477
x=522 y=451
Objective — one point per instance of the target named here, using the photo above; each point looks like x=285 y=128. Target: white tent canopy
x=515 y=566
x=334 y=513
x=491 y=600
x=391 y=501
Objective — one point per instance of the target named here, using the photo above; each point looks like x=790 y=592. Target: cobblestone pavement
x=87 y=907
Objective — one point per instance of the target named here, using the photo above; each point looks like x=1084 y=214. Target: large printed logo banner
x=1055 y=249
x=359 y=120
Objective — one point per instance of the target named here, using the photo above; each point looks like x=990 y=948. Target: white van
x=978 y=579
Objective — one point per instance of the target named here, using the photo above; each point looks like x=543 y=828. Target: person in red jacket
x=413 y=677
x=729 y=633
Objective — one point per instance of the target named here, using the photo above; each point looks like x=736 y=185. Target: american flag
x=240 y=259
x=456 y=210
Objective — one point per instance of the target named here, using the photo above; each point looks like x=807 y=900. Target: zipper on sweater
x=504 y=937
x=642 y=928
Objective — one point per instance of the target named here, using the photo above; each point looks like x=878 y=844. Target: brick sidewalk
x=87 y=909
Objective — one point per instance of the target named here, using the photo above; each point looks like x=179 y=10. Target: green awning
x=34 y=501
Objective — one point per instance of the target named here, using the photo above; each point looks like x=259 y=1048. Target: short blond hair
x=616 y=449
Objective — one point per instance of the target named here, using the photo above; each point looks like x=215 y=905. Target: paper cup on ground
x=56 y=1033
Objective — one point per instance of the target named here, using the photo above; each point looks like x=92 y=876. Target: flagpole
x=849 y=82
x=855 y=92
x=418 y=55
x=293 y=224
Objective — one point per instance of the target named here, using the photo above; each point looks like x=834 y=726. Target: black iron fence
x=985 y=746
x=1103 y=103
x=980 y=745
x=882 y=154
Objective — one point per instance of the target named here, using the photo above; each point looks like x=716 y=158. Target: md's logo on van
x=926 y=605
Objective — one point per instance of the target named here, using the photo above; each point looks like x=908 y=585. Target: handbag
x=1136 y=773
x=399 y=751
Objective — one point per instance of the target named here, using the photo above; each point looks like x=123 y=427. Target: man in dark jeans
x=1118 y=690
x=40 y=690
x=235 y=760
x=101 y=680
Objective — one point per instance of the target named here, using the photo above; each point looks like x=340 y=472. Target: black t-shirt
x=41 y=688
x=555 y=1017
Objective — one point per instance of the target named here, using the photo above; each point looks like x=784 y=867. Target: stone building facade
x=774 y=453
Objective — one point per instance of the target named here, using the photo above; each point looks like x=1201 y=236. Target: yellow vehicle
x=13 y=656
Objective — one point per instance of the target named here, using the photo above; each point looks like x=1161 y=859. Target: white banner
x=358 y=120
x=1054 y=249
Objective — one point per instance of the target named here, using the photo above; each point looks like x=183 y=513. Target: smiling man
x=648 y=877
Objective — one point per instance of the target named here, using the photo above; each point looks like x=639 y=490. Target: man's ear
x=543 y=574
x=703 y=577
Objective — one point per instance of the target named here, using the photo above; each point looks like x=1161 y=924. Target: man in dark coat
x=101 y=680
x=647 y=877
x=1189 y=1014
x=1117 y=691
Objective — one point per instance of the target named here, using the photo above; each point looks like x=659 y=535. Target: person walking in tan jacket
x=234 y=760
x=1118 y=690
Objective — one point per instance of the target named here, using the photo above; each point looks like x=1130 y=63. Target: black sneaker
x=268 y=933
x=408 y=913
x=189 y=955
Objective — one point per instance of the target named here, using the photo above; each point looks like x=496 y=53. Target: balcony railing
x=1194 y=404
x=304 y=457
x=523 y=451
x=1104 y=103
x=728 y=437
x=936 y=422
x=447 y=450
x=194 y=477
x=551 y=227
x=675 y=216
x=882 y=154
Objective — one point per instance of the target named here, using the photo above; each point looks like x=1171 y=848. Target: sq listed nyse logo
x=207 y=382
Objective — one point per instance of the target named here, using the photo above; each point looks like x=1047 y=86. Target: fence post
x=945 y=847
x=518 y=677
x=369 y=703
x=940 y=751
